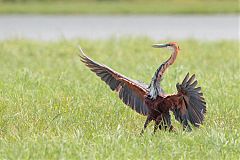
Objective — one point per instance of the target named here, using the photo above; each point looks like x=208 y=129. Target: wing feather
x=193 y=99
x=131 y=92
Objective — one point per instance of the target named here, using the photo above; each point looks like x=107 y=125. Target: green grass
x=53 y=107
x=120 y=7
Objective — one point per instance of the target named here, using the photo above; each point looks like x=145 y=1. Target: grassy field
x=53 y=107
x=119 y=7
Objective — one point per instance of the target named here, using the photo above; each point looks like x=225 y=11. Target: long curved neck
x=154 y=86
x=162 y=68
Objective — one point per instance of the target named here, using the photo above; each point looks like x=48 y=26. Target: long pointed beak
x=160 y=45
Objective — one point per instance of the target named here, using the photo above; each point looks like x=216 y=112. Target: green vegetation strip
x=53 y=107
x=121 y=7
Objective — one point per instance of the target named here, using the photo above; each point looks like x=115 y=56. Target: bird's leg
x=148 y=120
x=157 y=122
x=186 y=126
x=172 y=129
x=166 y=121
x=155 y=127
x=162 y=125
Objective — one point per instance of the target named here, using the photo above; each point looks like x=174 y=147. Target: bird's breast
x=157 y=104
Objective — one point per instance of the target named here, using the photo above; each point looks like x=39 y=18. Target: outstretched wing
x=130 y=91
x=193 y=100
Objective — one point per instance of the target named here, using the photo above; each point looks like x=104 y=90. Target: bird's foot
x=187 y=128
x=142 y=132
x=172 y=129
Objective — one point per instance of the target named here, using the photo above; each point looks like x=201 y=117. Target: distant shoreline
x=156 y=7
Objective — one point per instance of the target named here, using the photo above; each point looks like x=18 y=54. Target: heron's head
x=170 y=45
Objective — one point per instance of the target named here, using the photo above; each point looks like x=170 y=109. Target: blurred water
x=203 y=27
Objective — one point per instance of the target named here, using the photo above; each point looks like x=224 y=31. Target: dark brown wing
x=130 y=91
x=193 y=100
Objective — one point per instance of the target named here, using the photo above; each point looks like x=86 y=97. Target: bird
x=187 y=104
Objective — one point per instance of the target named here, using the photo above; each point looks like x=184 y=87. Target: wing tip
x=81 y=54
